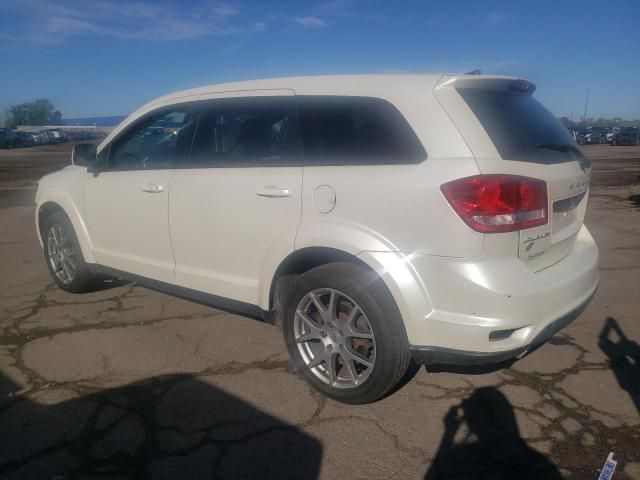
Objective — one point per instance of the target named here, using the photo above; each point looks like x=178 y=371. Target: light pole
x=586 y=103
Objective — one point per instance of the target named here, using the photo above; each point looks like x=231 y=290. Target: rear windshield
x=520 y=127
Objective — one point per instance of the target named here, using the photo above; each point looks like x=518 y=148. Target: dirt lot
x=128 y=383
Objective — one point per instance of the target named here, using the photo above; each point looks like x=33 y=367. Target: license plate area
x=565 y=219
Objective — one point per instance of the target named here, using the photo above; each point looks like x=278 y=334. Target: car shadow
x=101 y=282
x=624 y=358
x=482 y=441
x=481 y=369
x=173 y=427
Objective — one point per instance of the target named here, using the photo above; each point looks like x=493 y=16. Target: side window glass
x=247 y=131
x=356 y=130
x=160 y=140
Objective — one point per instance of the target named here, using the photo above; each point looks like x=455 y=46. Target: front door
x=126 y=202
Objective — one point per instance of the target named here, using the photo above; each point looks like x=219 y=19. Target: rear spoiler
x=487 y=82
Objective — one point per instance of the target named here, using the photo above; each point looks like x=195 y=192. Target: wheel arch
x=52 y=205
x=391 y=267
x=303 y=260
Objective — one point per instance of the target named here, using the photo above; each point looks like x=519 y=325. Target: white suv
x=376 y=218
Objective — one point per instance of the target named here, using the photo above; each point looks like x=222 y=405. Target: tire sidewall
x=384 y=319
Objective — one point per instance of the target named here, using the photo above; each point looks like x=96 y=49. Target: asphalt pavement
x=129 y=383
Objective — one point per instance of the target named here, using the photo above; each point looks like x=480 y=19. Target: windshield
x=520 y=127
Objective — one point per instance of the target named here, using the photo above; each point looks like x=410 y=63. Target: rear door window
x=251 y=131
x=520 y=127
x=340 y=130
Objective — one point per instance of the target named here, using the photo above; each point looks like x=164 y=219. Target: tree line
x=39 y=112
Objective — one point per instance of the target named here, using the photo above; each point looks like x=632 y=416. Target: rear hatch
x=511 y=133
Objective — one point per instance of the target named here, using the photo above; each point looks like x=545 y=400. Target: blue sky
x=107 y=57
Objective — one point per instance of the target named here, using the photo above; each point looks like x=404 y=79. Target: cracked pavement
x=129 y=383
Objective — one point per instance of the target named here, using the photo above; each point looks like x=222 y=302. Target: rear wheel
x=345 y=334
x=63 y=255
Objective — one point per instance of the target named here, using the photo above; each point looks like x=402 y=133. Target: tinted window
x=159 y=140
x=520 y=127
x=356 y=130
x=247 y=131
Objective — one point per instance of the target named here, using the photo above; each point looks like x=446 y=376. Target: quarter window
x=356 y=130
x=159 y=140
x=253 y=131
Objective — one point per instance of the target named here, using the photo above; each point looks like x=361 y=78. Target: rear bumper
x=488 y=310
x=450 y=356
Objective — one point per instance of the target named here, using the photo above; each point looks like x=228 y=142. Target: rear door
x=510 y=132
x=235 y=211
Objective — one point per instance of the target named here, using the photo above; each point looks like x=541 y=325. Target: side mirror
x=85 y=154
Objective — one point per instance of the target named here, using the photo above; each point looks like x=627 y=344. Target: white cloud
x=343 y=8
x=310 y=22
x=497 y=18
x=57 y=20
x=329 y=12
x=66 y=24
x=226 y=10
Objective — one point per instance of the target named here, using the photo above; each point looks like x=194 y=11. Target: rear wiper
x=558 y=147
x=569 y=151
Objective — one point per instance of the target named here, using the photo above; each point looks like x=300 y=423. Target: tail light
x=498 y=203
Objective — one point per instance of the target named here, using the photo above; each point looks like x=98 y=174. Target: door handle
x=271 y=191
x=152 y=188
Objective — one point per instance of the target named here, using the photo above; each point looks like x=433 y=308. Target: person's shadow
x=173 y=427
x=490 y=447
x=624 y=358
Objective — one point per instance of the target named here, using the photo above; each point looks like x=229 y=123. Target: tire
x=58 y=232
x=360 y=295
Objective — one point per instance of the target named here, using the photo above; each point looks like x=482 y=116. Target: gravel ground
x=129 y=383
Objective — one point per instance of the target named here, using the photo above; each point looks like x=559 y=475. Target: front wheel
x=63 y=255
x=345 y=333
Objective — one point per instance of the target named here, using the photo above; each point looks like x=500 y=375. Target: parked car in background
x=596 y=135
x=58 y=136
x=36 y=137
x=23 y=139
x=579 y=134
x=79 y=136
x=7 y=138
x=201 y=194
x=46 y=137
x=625 y=136
x=611 y=131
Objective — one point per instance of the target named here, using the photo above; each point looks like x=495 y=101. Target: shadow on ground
x=624 y=358
x=168 y=427
x=178 y=427
x=482 y=441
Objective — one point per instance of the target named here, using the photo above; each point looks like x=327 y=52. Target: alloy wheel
x=334 y=338
x=61 y=253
